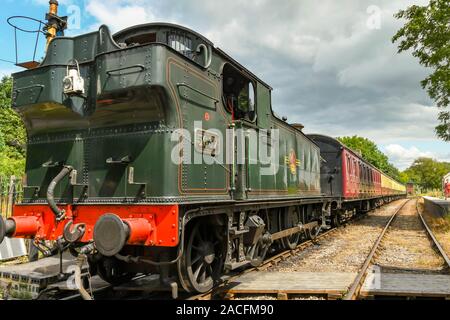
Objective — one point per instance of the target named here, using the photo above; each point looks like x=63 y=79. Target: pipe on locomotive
x=59 y=214
x=28 y=227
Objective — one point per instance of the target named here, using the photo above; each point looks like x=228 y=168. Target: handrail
x=41 y=86
x=182 y=84
x=139 y=66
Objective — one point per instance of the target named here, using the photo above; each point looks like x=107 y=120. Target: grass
x=434 y=194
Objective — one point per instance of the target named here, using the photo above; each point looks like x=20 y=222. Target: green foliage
x=404 y=177
x=371 y=153
x=427 y=34
x=427 y=173
x=12 y=135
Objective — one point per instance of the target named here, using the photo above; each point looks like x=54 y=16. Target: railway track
x=354 y=291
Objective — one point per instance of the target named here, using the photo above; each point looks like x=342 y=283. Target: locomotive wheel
x=290 y=220
x=311 y=234
x=336 y=221
x=257 y=253
x=202 y=263
x=112 y=271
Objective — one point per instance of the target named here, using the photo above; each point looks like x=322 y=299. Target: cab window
x=239 y=95
x=181 y=43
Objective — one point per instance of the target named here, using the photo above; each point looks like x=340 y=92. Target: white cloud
x=119 y=14
x=329 y=70
x=403 y=157
x=7 y=72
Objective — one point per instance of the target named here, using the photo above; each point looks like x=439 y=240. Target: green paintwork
x=136 y=96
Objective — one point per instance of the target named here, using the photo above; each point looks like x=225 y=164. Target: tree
x=404 y=177
x=427 y=33
x=370 y=152
x=427 y=173
x=12 y=134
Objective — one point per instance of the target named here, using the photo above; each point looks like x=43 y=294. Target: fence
x=10 y=193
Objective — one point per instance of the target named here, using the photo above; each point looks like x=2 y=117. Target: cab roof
x=160 y=25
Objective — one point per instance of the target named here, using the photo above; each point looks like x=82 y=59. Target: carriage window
x=349 y=169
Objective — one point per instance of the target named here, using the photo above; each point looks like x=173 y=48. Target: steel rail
x=433 y=237
x=354 y=290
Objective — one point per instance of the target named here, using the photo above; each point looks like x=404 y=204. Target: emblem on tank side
x=292 y=162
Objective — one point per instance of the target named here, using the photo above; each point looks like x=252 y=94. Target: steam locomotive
x=106 y=179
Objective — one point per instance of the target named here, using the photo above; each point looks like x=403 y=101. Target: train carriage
x=353 y=182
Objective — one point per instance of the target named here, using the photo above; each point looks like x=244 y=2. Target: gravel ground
x=346 y=250
x=406 y=245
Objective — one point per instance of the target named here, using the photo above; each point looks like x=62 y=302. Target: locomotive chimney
x=55 y=24
x=52 y=22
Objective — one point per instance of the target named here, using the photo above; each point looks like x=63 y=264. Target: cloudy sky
x=331 y=63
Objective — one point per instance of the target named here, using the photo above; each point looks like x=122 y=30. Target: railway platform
x=331 y=285
x=27 y=281
x=437 y=207
x=409 y=284
x=406 y=284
